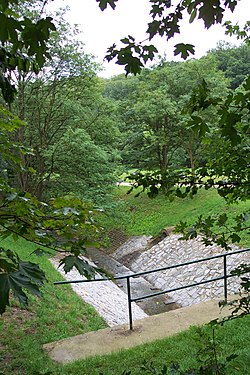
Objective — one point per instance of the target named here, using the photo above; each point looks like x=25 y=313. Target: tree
x=64 y=224
x=123 y=93
x=234 y=61
x=51 y=110
x=45 y=101
x=24 y=44
x=155 y=117
x=150 y=107
x=77 y=152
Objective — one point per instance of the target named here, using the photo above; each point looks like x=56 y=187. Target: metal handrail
x=138 y=274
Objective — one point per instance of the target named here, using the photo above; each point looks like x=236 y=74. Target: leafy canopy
x=23 y=44
x=228 y=168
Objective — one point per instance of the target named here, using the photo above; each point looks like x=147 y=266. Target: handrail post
x=225 y=276
x=129 y=305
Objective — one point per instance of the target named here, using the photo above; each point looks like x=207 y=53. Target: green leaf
x=132 y=64
x=125 y=41
x=104 y=3
x=222 y=219
x=82 y=266
x=193 y=16
x=17 y=275
x=32 y=271
x=211 y=12
x=148 y=52
x=4 y=292
x=153 y=28
x=18 y=282
x=235 y=238
x=192 y=233
x=153 y=191
x=3 y=28
x=246 y=84
x=184 y=50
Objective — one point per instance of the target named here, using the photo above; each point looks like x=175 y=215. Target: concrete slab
x=149 y=329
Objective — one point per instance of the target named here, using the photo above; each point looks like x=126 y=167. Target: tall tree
x=65 y=95
x=81 y=167
x=61 y=220
x=44 y=101
x=150 y=107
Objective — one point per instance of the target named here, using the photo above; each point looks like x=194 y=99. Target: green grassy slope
x=141 y=215
x=58 y=314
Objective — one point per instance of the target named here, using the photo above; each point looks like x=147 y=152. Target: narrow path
x=105 y=296
x=108 y=340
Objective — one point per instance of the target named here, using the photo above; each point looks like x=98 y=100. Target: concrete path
x=149 y=329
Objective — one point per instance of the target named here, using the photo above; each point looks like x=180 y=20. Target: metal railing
x=224 y=277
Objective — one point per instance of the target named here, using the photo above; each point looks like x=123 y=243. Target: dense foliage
x=56 y=163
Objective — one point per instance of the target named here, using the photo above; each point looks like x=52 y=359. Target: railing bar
x=180 y=288
x=225 y=277
x=188 y=263
x=129 y=305
x=155 y=270
x=127 y=277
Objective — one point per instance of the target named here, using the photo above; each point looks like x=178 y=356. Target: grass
x=144 y=216
x=57 y=315
x=184 y=348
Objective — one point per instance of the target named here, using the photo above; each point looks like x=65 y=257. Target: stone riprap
x=139 y=286
x=132 y=245
x=110 y=300
x=172 y=251
x=105 y=296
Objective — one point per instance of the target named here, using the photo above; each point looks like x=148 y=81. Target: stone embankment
x=136 y=255
x=105 y=296
x=139 y=286
x=172 y=251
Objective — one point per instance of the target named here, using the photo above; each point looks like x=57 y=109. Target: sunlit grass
x=144 y=216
